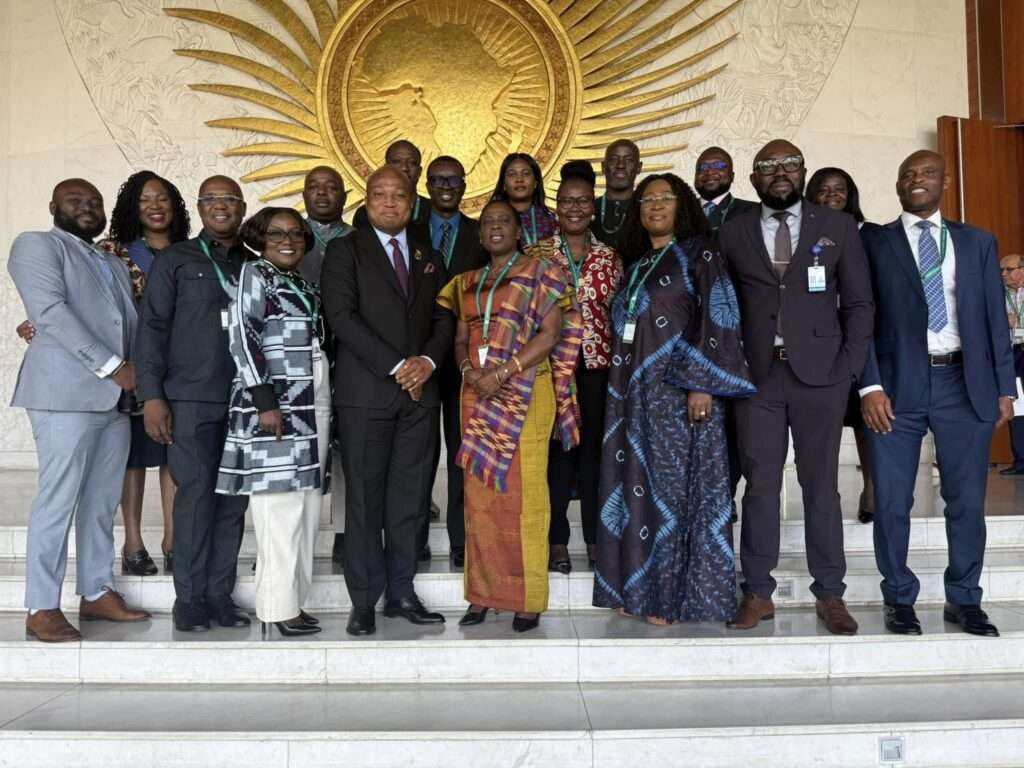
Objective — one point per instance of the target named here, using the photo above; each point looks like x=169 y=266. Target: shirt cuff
x=394 y=370
x=108 y=367
x=263 y=397
x=430 y=360
x=869 y=390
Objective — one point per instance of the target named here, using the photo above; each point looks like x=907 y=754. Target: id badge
x=628 y=332
x=224 y=319
x=481 y=353
x=1018 y=334
x=816 y=279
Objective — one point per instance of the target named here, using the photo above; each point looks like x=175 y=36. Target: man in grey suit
x=78 y=298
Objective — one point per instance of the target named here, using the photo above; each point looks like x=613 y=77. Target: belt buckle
x=940 y=361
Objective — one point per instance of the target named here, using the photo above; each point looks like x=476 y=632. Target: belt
x=949 y=358
x=780 y=353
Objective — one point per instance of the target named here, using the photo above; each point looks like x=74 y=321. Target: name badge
x=481 y=353
x=1018 y=333
x=224 y=319
x=628 y=332
x=816 y=279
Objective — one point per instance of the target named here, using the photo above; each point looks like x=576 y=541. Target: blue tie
x=108 y=273
x=709 y=208
x=931 y=275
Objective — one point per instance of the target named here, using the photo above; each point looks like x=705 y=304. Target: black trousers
x=208 y=526
x=385 y=454
x=451 y=418
x=732 y=444
x=582 y=464
x=815 y=416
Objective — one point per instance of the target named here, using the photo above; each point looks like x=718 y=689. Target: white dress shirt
x=770 y=225
x=403 y=246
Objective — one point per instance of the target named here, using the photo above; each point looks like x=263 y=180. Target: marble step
x=567 y=647
x=439 y=583
x=926 y=533
x=937 y=722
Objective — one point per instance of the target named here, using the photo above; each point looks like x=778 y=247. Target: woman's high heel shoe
x=309 y=619
x=168 y=561
x=559 y=560
x=138 y=564
x=473 y=618
x=522 y=624
x=289 y=630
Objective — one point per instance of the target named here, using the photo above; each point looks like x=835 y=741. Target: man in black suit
x=406 y=157
x=713 y=179
x=805 y=299
x=457 y=238
x=620 y=167
x=380 y=286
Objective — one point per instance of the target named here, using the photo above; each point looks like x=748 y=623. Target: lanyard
x=216 y=268
x=416 y=209
x=332 y=232
x=575 y=268
x=943 y=235
x=531 y=234
x=312 y=308
x=633 y=289
x=1014 y=304
x=604 y=226
x=486 y=314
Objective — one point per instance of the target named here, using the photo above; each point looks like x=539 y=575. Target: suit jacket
x=375 y=327
x=81 y=322
x=898 y=356
x=826 y=333
x=730 y=208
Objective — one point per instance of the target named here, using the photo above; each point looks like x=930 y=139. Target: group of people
x=642 y=350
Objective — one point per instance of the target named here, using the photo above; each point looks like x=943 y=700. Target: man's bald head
x=1010 y=266
x=779 y=174
x=406 y=157
x=389 y=194
x=77 y=184
x=324 y=194
x=713 y=175
x=221 y=208
x=77 y=207
x=921 y=181
x=221 y=181
x=620 y=167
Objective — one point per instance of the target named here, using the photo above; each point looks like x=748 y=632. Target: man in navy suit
x=940 y=360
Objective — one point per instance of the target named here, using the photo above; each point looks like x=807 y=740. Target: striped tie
x=446 y=243
x=931 y=276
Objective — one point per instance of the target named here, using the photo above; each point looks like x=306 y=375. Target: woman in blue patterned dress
x=664 y=548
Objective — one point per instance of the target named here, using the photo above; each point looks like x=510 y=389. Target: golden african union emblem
x=475 y=79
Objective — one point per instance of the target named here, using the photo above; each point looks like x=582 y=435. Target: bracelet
x=497 y=378
x=465 y=365
x=519 y=365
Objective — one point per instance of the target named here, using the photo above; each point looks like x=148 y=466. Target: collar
x=65 y=235
x=437 y=221
x=795 y=211
x=207 y=238
x=718 y=200
x=385 y=241
x=319 y=226
x=910 y=219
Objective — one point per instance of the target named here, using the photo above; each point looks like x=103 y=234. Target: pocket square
x=429 y=268
x=824 y=241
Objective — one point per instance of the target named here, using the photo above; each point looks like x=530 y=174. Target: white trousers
x=286 y=525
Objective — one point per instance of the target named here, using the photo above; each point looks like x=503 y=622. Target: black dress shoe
x=521 y=624
x=458 y=555
x=138 y=564
x=307 y=618
x=411 y=609
x=901 y=619
x=189 y=617
x=1012 y=471
x=560 y=566
x=971 y=619
x=338 y=550
x=361 y=622
x=865 y=516
x=168 y=562
x=472 y=618
x=424 y=554
x=291 y=630
x=224 y=611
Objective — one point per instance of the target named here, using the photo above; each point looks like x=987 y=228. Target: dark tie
x=401 y=271
x=781 y=258
x=931 y=276
x=709 y=208
x=446 y=243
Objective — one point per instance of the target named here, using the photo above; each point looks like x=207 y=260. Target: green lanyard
x=575 y=268
x=1014 y=304
x=943 y=235
x=333 y=232
x=531 y=236
x=416 y=209
x=312 y=309
x=216 y=268
x=486 y=314
x=604 y=226
x=633 y=289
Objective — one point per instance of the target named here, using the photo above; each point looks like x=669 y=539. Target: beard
x=711 y=194
x=70 y=224
x=780 y=203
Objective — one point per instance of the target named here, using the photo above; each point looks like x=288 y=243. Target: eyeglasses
x=574 y=202
x=647 y=202
x=209 y=200
x=769 y=166
x=1010 y=269
x=713 y=165
x=452 y=182
x=278 y=236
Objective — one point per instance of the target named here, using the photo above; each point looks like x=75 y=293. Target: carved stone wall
x=92 y=88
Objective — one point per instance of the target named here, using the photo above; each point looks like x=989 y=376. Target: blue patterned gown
x=664 y=547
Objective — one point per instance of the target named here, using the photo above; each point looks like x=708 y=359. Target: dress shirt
x=403 y=246
x=770 y=225
x=437 y=228
x=1015 y=305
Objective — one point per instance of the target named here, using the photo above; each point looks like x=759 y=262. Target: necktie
x=931 y=276
x=709 y=208
x=780 y=260
x=401 y=271
x=108 y=273
x=446 y=243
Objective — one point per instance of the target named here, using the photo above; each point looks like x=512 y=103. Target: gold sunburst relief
x=471 y=78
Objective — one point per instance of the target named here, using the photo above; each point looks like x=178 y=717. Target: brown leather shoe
x=752 y=611
x=838 y=621
x=110 y=607
x=51 y=626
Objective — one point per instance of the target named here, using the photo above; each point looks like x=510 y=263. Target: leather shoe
x=189 y=617
x=752 y=611
x=109 y=607
x=411 y=609
x=308 y=618
x=424 y=554
x=458 y=557
x=971 y=619
x=361 y=622
x=138 y=564
x=1011 y=471
x=523 y=624
x=472 y=618
x=901 y=619
x=338 y=550
x=51 y=626
x=838 y=621
x=224 y=611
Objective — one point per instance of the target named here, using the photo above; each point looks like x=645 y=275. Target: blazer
x=826 y=333
x=732 y=207
x=374 y=326
x=81 y=321
x=898 y=357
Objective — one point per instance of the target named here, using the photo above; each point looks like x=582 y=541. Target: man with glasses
x=1013 y=283
x=457 y=238
x=406 y=157
x=620 y=167
x=805 y=302
x=713 y=179
x=184 y=372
